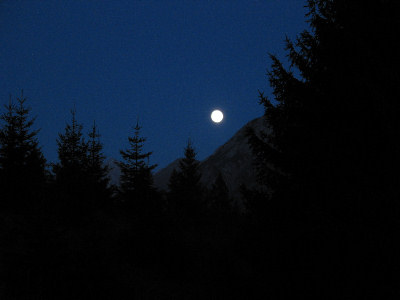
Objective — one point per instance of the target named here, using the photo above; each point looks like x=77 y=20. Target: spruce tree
x=333 y=123
x=189 y=167
x=136 y=171
x=187 y=211
x=329 y=157
x=22 y=164
x=185 y=190
x=97 y=170
x=71 y=171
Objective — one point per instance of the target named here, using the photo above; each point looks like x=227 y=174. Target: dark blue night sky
x=168 y=63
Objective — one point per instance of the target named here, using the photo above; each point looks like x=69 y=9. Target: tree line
x=326 y=222
x=67 y=213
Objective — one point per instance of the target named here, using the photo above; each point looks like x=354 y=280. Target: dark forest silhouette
x=327 y=225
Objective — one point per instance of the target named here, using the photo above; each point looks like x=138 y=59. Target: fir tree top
x=136 y=171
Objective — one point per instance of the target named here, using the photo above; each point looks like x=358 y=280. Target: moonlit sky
x=168 y=63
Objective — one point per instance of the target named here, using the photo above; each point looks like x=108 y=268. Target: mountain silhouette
x=234 y=160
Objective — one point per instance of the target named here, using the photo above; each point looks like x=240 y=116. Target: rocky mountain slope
x=233 y=159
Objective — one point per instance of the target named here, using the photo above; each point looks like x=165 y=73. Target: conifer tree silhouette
x=97 y=170
x=330 y=153
x=136 y=172
x=22 y=184
x=71 y=176
x=22 y=164
x=185 y=189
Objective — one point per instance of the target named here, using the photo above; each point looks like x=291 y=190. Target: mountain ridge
x=233 y=159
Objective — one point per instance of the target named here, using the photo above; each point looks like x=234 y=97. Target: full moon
x=217 y=116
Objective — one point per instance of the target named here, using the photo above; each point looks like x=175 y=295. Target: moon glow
x=217 y=116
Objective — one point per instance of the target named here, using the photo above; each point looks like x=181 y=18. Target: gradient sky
x=168 y=63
